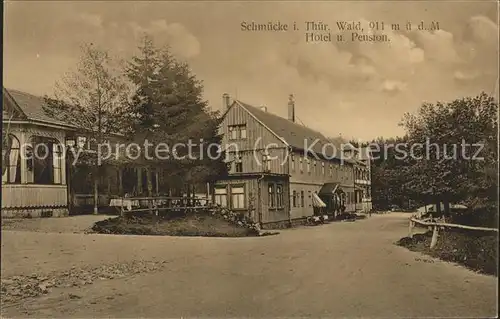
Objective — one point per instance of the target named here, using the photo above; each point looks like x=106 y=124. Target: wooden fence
x=438 y=225
x=156 y=204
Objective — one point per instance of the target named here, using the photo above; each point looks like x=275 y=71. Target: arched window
x=44 y=158
x=12 y=174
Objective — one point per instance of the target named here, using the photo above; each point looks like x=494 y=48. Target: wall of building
x=311 y=180
x=250 y=185
x=276 y=214
x=19 y=199
x=258 y=136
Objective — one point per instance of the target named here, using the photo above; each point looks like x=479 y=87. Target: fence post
x=434 y=237
x=121 y=208
x=410 y=229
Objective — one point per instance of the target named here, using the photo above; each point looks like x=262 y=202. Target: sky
x=357 y=89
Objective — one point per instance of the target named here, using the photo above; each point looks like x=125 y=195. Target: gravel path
x=335 y=270
x=73 y=224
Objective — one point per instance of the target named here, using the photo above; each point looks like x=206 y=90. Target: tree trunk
x=446 y=213
x=438 y=208
x=69 y=184
x=96 y=195
x=150 y=188
x=120 y=181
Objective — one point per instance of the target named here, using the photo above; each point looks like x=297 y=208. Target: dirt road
x=335 y=270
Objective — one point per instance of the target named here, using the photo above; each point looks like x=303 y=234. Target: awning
x=328 y=188
x=317 y=202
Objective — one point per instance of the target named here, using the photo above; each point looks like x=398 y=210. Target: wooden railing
x=88 y=199
x=440 y=225
x=159 y=203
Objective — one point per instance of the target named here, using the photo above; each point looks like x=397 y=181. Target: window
x=331 y=170
x=57 y=162
x=323 y=168
x=271 y=196
x=310 y=199
x=12 y=174
x=266 y=162
x=44 y=158
x=301 y=198
x=308 y=162
x=243 y=131
x=237 y=132
x=301 y=167
x=294 y=199
x=220 y=194
x=233 y=133
x=237 y=196
x=238 y=164
x=279 y=196
x=292 y=163
x=315 y=167
x=81 y=141
x=144 y=180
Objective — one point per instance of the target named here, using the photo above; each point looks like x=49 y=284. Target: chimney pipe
x=291 y=108
x=225 y=101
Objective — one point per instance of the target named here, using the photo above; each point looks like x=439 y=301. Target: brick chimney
x=291 y=108
x=226 y=101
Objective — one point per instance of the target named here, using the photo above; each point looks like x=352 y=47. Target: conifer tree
x=168 y=107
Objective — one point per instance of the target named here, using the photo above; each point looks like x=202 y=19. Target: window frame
x=243 y=194
x=59 y=160
x=235 y=132
x=266 y=162
x=225 y=194
x=32 y=165
x=15 y=145
x=280 y=200
x=238 y=164
x=271 y=195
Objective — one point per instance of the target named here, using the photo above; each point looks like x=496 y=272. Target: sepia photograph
x=250 y=159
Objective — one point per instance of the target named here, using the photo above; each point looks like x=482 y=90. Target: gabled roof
x=31 y=106
x=297 y=136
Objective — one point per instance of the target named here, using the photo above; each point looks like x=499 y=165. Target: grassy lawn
x=186 y=225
